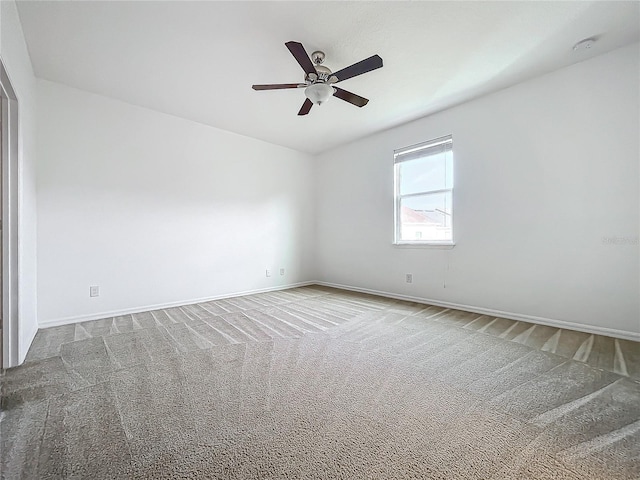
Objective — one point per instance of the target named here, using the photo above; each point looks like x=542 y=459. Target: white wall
x=16 y=60
x=156 y=209
x=544 y=171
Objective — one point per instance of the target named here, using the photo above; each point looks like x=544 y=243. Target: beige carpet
x=319 y=383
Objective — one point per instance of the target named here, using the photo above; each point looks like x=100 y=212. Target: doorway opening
x=9 y=326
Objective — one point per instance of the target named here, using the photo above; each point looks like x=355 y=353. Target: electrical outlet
x=282 y=271
x=409 y=278
x=267 y=272
x=94 y=291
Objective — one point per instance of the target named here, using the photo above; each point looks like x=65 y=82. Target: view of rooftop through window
x=424 y=193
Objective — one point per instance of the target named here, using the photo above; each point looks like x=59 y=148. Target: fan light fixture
x=319 y=93
x=319 y=80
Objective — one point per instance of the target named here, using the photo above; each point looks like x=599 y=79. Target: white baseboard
x=145 y=308
x=609 y=332
x=25 y=345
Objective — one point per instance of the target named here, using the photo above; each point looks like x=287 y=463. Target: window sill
x=442 y=245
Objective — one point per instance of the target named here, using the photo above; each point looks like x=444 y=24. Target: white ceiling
x=198 y=60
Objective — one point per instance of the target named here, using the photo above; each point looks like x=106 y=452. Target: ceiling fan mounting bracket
x=317 y=57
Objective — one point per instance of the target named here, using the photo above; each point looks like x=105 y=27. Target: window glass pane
x=426 y=174
x=448 y=176
x=426 y=218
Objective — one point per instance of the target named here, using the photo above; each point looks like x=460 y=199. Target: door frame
x=9 y=165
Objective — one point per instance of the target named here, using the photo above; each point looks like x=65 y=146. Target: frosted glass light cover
x=319 y=93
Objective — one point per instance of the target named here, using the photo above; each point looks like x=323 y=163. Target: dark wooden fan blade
x=359 y=68
x=276 y=86
x=306 y=106
x=356 y=100
x=301 y=55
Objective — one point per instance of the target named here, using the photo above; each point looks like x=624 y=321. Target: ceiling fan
x=319 y=80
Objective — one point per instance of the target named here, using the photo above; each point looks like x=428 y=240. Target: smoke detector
x=583 y=45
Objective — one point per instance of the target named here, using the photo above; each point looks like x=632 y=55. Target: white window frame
x=437 y=145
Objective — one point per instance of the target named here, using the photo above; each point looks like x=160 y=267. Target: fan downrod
x=322 y=73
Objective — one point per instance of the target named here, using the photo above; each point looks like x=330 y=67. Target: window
x=424 y=193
